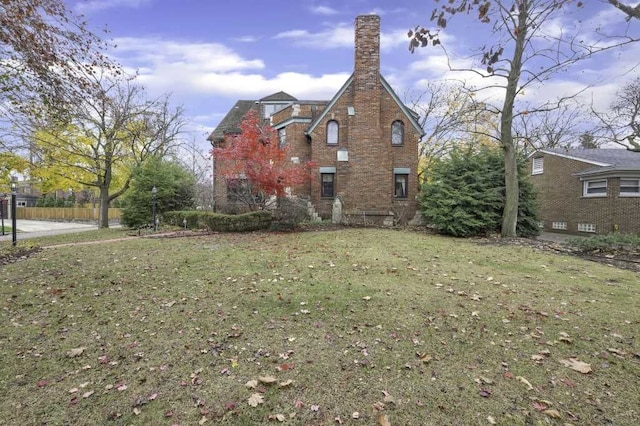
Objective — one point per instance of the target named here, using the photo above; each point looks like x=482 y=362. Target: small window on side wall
x=538 y=166
x=397 y=133
x=401 y=183
x=327 y=185
x=332 y=132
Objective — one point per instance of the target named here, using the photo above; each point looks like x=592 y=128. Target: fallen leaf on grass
x=298 y=404
x=267 y=380
x=617 y=351
x=425 y=358
x=41 y=383
x=87 y=394
x=251 y=384
x=285 y=383
x=576 y=365
x=525 y=381
x=491 y=420
x=203 y=420
x=355 y=415
x=75 y=352
x=553 y=413
x=539 y=405
x=383 y=420
x=137 y=411
x=278 y=417
x=255 y=399
x=315 y=408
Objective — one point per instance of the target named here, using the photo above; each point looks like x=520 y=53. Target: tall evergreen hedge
x=464 y=195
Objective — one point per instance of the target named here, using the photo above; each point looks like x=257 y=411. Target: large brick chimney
x=370 y=169
x=367 y=61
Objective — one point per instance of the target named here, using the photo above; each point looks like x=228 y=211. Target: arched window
x=397 y=133
x=332 y=132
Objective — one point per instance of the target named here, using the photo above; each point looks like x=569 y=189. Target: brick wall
x=560 y=199
x=365 y=182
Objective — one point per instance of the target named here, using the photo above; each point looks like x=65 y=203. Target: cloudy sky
x=209 y=54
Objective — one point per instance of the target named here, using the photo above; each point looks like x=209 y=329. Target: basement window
x=559 y=225
x=586 y=227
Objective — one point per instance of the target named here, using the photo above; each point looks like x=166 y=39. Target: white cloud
x=323 y=10
x=246 y=39
x=167 y=54
x=340 y=36
x=91 y=6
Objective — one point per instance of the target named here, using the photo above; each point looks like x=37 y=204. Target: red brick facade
x=561 y=199
x=364 y=109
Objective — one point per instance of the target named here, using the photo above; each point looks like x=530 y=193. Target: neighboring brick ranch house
x=587 y=191
x=364 y=141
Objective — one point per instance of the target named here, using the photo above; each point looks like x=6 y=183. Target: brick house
x=587 y=191
x=364 y=141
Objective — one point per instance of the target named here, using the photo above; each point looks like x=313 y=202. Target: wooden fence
x=64 y=213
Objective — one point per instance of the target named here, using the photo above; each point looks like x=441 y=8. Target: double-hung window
x=401 y=182
x=630 y=187
x=327 y=182
x=595 y=188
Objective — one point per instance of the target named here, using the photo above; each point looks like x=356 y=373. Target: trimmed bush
x=290 y=213
x=252 y=221
x=606 y=243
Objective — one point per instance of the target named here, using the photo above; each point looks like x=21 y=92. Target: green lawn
x=353 y=323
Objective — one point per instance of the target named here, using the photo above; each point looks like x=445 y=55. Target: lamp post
x=14 y=191
x=154 y=197
x=2 y=212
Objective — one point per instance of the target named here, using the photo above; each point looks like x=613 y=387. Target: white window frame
x=537 y=166
x=586 y=227
x=282 y=137
x=635 y=192
x=397 y=133
x=333 y=136
x=589 y=185
x=559 y=225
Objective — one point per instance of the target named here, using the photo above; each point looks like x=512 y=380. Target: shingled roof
x=231 y=122
x=605 y=160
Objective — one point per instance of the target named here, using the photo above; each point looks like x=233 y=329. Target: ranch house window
x=397 y=133
x=630 y=187
x=332 y=132
x=595 y=188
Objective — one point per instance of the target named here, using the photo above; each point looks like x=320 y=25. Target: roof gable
x=410 y=116
x=278 y=96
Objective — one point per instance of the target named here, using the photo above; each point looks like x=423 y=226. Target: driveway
x=39 y=228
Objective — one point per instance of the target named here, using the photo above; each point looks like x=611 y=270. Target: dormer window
x=397 y=133
x=270 y=109
x=332 y=132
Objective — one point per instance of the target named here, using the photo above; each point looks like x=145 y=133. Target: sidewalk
x=39 y=228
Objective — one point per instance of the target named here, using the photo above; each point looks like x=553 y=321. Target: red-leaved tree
x=255 y=167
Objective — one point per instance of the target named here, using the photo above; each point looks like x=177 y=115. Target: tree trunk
x=512 y=190
x=103 y=218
